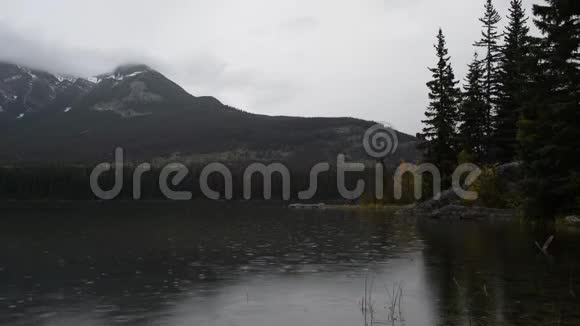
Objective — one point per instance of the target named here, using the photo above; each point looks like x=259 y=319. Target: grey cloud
x=299 y=24
x=366 y=59
x=57 y=58
x=199 y=74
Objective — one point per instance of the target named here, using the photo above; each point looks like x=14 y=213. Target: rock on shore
x=449 y=206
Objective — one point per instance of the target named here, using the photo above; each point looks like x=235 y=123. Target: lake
x=251 y=265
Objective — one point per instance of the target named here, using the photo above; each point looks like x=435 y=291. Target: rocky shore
x=450 y=207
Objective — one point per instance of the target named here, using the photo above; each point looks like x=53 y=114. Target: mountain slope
x=50 y=119
x=24 y=90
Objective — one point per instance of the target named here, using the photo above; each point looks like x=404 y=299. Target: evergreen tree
x=472 y=114
x=550 y=126
x=439 y=135
x=512 y=83
x=489 y=41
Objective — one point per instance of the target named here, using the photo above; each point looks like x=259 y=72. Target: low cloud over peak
x=324 y=58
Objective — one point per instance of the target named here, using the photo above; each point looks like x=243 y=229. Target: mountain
x=46 y=118
x=24 y=90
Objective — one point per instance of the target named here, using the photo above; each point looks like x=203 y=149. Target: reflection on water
x=243 y=265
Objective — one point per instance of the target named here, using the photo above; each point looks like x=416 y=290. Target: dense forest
x=520 y=102
x=72 y=183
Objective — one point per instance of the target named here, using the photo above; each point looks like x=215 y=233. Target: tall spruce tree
x=490 y=42
x=472 y=114
x=512 y=84
x=550 y=126
x=439 y=137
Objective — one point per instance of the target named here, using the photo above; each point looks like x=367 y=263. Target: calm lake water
x=252 y=266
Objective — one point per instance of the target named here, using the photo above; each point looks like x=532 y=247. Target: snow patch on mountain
x=133 y=74
x=120 y=77
x=15 y=77
x=62 y=78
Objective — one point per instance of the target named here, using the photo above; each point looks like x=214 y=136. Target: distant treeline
x=520 y=102
x=73 y=183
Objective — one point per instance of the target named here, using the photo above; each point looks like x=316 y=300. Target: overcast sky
x=366 y=58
